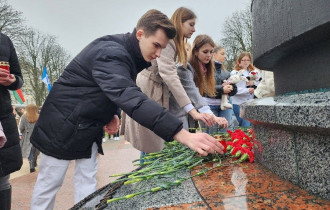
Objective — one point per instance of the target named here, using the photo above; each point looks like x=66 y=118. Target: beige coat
x=156 y=82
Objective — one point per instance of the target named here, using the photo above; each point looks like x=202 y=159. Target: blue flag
x=45 y=79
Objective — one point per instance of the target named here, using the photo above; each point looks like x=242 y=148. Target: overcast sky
x=76 y=23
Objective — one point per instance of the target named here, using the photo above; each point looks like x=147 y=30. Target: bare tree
x=36 y=52
x=58 y=61
x=31 y=47
x=11 y=21
x=237 y=33
x=54 y=57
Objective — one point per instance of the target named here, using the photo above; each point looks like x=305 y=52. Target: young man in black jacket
x=87 y=97
x=10 y=154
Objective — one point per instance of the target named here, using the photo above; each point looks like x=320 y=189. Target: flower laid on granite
x=176 y=157
x=240 y=144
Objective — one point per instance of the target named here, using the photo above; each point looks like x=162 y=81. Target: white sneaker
x=116 y=138
x=103 y=140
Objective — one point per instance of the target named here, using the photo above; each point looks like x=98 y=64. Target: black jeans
x=4 y=183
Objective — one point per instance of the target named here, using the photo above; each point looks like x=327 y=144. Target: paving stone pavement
x=117 y=158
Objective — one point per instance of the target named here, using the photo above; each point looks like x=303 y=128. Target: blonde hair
x=239 y=59
x=180 y=16
x=205 y=85
x=187 y=46
x=31 y=113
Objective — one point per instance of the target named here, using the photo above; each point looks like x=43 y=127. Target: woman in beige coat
x=161 y=78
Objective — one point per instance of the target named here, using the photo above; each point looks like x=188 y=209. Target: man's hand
x=6 y=79
x=199 y=142
x=113 y=126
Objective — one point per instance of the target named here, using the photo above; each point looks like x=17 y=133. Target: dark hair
x=153 y=20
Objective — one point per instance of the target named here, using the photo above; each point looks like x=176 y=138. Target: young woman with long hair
x=204 y=77
x=221 y=74
x=244 y=93
x=161 y=78
x=198 y=81
x=26 y=125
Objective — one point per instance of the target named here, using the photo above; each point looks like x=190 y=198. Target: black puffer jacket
x=10 y=154
x=221 y=75
x=87 y=96
x=8 y=54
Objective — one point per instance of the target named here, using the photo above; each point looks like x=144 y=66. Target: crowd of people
x=152 y=83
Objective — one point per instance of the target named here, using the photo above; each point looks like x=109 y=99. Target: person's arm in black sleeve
x=112 y=74
x=15 y=69
x=219 y=91
x=234 y=91
x=118 y=112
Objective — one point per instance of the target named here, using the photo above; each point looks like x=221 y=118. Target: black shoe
x=32 y=170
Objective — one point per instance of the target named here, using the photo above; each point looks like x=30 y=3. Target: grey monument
x=292 y=39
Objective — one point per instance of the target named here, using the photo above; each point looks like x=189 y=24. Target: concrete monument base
x=293 y=138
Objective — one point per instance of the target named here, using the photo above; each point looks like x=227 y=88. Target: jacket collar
x=135 y=52
x=217 y=65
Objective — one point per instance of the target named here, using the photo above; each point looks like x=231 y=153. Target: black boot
x=5 y=199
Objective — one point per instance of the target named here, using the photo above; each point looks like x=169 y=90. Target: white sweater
x=243 y=94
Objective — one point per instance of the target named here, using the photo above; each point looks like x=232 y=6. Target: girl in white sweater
x=245 y=90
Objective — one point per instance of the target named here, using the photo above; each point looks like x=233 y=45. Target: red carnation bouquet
x=239 y=144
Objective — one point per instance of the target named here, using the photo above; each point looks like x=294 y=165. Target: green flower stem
x=126 y=196
x=172 y=159
x=163 y=169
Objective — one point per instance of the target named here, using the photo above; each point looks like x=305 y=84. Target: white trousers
x=51 y=175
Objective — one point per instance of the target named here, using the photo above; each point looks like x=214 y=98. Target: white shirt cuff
x=205 y=109
x=188 y=107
